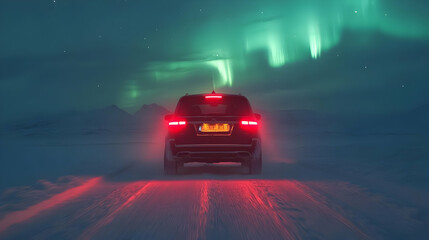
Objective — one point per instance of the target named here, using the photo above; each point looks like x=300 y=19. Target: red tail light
x=177 y=123
x=249 y=123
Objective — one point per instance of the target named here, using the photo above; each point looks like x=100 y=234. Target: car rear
x=212 y=128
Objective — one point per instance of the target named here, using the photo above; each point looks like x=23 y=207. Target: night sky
x=346 y=57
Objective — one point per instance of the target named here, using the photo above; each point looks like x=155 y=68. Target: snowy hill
x=414 y=121
x=150 y=110
x=108 y=119
x=294 y=119
x=301 y=117
x=418 y=117
x=111 y=116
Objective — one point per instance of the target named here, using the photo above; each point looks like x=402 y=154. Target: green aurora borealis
x=135 y=52
x=286 y=31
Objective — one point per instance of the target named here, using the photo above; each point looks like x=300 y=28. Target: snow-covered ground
x=320 y=180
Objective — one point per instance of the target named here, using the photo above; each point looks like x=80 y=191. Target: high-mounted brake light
x=213 y=96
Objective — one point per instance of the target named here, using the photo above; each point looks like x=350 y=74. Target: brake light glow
x=177 y=123
x=213 y=97
x=247 y=123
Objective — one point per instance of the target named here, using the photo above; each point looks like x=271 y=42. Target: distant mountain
x=419 y=114
x=106 y=117
x=150 y=110
x=414 y=121
x=110 y=111
x=110 y=118
x=111 y=114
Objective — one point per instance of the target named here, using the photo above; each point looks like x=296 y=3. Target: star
x=355 y=11
x=403 y=86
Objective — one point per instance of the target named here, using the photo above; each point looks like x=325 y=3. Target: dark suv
x=213 y=128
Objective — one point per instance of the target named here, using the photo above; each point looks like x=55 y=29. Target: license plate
x=217 y=127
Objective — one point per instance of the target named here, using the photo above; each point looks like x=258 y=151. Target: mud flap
x=255 y=165
x=170 y=165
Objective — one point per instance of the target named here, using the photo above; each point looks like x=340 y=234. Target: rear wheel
x=255 y=163
x=170 y=166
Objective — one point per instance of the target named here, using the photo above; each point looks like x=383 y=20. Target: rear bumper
x=212 y=152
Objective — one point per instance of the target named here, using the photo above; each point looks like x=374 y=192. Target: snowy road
x=116 y=207
x=315 y=187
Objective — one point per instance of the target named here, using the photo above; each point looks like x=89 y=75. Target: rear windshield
x=226 y=106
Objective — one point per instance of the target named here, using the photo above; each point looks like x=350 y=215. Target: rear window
x=226 y=106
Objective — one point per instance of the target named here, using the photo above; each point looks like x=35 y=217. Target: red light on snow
x=57 y=199
x=213 y=97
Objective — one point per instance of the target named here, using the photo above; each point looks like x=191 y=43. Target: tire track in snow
x=60 y=198
x=102 y=206
x=203 y=211
x=283 y=223
x=92 y=207
x=310 y=194
x=92 y=230
x=168 y=210
x=321 y=204
x=394 y=218
x=111 y=203
x=239 y=210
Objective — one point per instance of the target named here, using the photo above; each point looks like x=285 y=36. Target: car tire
x=170 y=166
x=255 y=164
